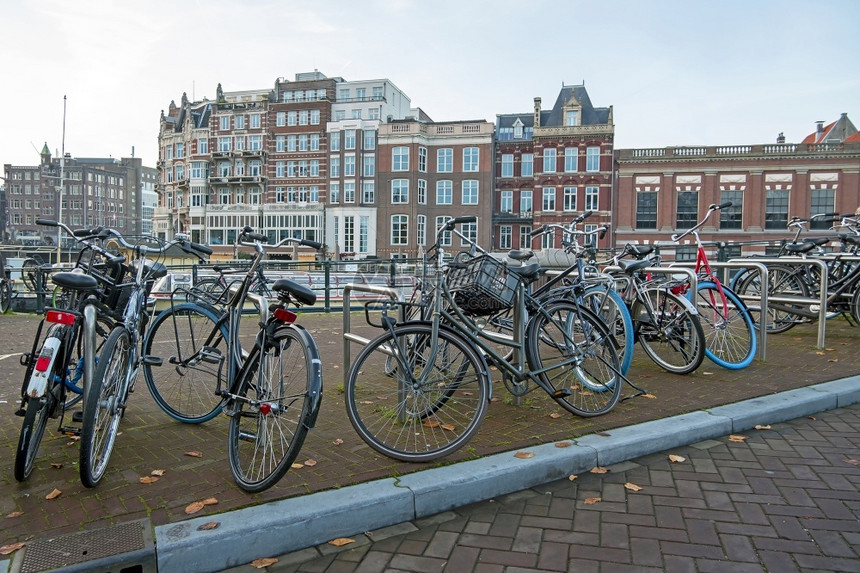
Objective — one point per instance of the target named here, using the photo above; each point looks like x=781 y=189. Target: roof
x=839 y=131
x=554 y=117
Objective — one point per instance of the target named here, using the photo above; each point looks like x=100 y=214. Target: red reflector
x=265 y=408
x=59 y=317
x=285 y=315
x=42 y=363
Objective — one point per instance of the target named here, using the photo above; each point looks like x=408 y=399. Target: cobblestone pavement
x=781 y=499
x=150 y=440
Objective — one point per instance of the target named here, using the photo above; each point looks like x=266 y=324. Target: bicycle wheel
x=74 y=372
x=279 y=390
x=32 y=430
x=575 y=357
x=104 y=407
x=193 y=350
x=426 y=407
x=730 y=339
x=610 y=307
x=29 y=274
x=670 y=334
x=5 y=297
x=782 y=282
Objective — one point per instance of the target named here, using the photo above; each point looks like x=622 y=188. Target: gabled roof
x=838 y=131
x=853 y=138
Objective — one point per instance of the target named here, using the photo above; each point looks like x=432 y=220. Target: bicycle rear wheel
x=104 y=407
x=191 y=345
x=782 y=282
x=5 y=297
x=32 y=430
x=670 y=334
x=730 y=339
x=278 y=397
x=576 y=358
x=610 y=307
x=428 y=404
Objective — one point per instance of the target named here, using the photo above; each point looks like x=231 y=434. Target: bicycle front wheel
x=5 y=297
x=190 y=345
x=104 y=406
x=730 y=339
x=278 y=397
x=575 y=357
x=782 y=281
x=668 y=330
x=427 y=403
x=611 y=308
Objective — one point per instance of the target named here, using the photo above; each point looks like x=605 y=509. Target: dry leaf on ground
x=592 y=500
x=263 y=562
x=54 y=494
x=555 y=415
x=341 y=541
x=848 y=461
x=632 y=486
x=56 y=465
x=524 y=455
x=208 y=526
x=599 y=470
x=563 y=444
x=194 y=454
x=762 y=427
x=157 y=473
x=297 y=466
x=737 y=438
x=649 y=396
x=14 y=514
x=337 y=442
x=676 y=458
x=194 y=507
x=11 y=548
x=310 y=462
x=572 y=477
x=149 y=479
x=210 y=501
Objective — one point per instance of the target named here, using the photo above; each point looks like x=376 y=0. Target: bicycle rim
x=32 y=430
x=270 y=420
x=670 y=334
x=428 y=405
x=730 y=339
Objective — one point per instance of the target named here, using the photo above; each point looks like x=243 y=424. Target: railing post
x=327 y=271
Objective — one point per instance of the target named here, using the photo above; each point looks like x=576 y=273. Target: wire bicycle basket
x=482 y=286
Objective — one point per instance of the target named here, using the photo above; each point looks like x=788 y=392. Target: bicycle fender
x=44 y=368
x=315 y=388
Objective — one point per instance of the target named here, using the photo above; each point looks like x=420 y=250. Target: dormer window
x=518 y=129
x=571 y=118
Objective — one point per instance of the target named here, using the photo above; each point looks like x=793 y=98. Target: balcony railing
x=750 y=151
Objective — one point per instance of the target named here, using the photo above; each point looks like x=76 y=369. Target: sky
x=676 y=72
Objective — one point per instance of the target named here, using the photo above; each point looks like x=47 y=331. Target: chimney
x=537 y=112
x=819 y=129
x=780 y=138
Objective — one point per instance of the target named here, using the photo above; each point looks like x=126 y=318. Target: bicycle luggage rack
x=348 y=336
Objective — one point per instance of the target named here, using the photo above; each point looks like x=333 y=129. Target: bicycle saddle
x=804 y=247
x=225 y=270
x=529 y=272
x=630 y=267
x=520 y=254
x=301 y=293
x=817 y=241
x=640 y=250
x=153 y=270
x=74 y=281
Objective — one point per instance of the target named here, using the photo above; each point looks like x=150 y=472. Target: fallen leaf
x=632 y=486
x=432 y=424
x=676 y=458
x=297 y=466
x=813 y=418
x=798 y=338
x=762 y=427
x=194 y=454
x=157 y=473
x=310 y=463
x=833 y=360
x=604 y=434
x=14 y=514
x=524 y=455
x=11 y=548
x=495 y=399
x=572 y=477
x=54 y=494
x=707 y=373
x=599 y=470
x=341 y=541
x=563 y=444
x=337 y=442
x=208 y=526
x=649 y=396
x=263 y=562
x=820 y=353
x=194 y=507
x=210 y=501
x=830 y=349
x=555 y=415
x=848 y=461
x=592 y=500
x=149 y=479
x=736 y=438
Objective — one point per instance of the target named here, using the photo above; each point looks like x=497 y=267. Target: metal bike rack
x=763 y=298
x=348 y=336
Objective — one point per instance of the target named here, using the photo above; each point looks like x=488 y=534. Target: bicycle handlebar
x=711 y=208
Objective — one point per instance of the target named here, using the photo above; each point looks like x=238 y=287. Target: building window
x=225 y=122
x=445 y=239
x=776 y=209
x=240 y=122
x=363 y=224
x=548 y=240
x=505 y=235
x=369 y=165
x=224 y=143
x=334 y=140
x=591 y=198
x=203 y=145
x=421 y=228
x=549 y=198
x=334 y=193
x=688 y=209
x=527 y=165
x=571 y=118
x=685 y=252
x=422 y=191
x=445 y=160
x=470 y=159
x=368 y=192
x=646 y=210
x=506 y=205
x=549 y=159
x=526 y=201
x=422 y=159
x=731 y=217
x=349 y=192
x=349 y=234
x=349 y=140
x=822 y=202
x=470 y=231
x=508 y=165
x=281 y=119
x=525 y=236
x=592 y=159
x=444 y=192
x=571 y=156
x=400 y=159
x=399 y=230
x=349 y=166
x=570 y=198
x=369 y=139
x=470 y=192
x=399 y=191
x=255 y=121
x=334 y=167
x=315 y=117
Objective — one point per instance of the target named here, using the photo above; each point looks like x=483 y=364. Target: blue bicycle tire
x=714 y=332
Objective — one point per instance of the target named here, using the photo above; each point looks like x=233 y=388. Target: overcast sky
x=677 y=72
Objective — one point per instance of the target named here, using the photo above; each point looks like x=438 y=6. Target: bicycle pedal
x=563 y=393
x=78 y=416
x=20 y=412
x=152 y=361
x=70 y=431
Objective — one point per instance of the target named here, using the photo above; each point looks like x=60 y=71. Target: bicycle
x=432 y=398
x=120 y=361
x=729 y=332
x=216 y=286
x=271 y=393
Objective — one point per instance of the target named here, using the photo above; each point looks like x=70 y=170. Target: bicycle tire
x=186 y=392
x=782 y=281
x=614 y=312
x=730 y=339
x=673 y=338
x=565 y=331
x=212 y=286
x=412 y=420
x=103 y=408
x=74 y=369
x=29 y=270
x=278 y=403
x=5 y=297
x=32 y=431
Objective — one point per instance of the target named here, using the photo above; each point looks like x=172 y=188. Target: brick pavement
x=150 y=440
x=783 y=499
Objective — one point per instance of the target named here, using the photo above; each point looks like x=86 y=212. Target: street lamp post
x=62 y=184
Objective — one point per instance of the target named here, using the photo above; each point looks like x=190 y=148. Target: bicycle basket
x=483 y=286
